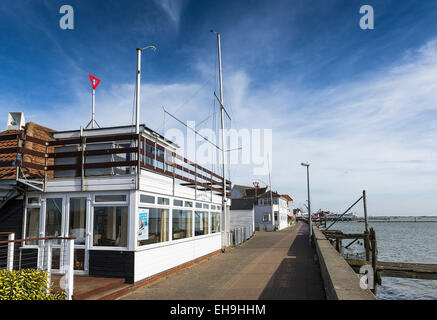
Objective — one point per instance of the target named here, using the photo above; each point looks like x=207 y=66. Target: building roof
x=250 y=192
x=286 y=196
x=267 y=195
x=242 y=204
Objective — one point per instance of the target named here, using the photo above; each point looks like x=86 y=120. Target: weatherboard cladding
x=11 y=220
x=112 y=264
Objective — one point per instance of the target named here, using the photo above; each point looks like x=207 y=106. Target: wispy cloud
x=173 y=8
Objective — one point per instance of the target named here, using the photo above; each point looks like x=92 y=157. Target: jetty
x=369 y=240
x=400 y=269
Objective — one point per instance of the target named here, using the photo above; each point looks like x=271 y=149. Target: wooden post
x=10 y=259
x=367 y=245
x=337 y=244
x=366 y=222
x=49 y=263
x=69 y=268
x=374 y=258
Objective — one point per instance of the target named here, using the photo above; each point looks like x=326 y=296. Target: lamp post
x=307 y=165
x=138 y=91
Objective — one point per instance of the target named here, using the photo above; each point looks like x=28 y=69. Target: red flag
x=92 y=78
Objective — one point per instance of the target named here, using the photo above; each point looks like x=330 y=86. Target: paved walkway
x=272 y=265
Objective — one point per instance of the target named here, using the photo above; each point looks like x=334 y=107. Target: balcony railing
x=118 y=154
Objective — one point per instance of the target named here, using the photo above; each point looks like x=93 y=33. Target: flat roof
x=113 y=130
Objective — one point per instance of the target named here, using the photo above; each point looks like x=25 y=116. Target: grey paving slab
x=271 y=265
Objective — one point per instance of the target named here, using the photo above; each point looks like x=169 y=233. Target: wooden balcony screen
x=147 y=154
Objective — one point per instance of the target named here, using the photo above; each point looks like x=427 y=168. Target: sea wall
x=339 y=279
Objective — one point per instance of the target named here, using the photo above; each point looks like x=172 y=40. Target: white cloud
x=173 y=8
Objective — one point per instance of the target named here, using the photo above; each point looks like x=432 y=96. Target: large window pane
x=77 y=224
x=110 y=226
x=181 y=224
x=32 y=224
x=201 y=223
x=53 y=217
x=215 y=222
x=156 y=227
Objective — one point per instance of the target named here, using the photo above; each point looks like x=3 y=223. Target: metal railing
x=129 y=151
x=14 y=256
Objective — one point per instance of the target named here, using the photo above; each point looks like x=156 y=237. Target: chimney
x=15 y=121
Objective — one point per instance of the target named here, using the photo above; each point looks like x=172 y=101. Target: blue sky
x=360 y=105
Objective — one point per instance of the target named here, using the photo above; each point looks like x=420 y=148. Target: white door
x=77 y=225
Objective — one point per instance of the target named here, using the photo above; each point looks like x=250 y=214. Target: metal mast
x=138 y=91
x=94 y=83
x=222 y=117
x=271 y=195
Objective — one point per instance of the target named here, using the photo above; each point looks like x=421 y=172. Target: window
x=266 y=217
x=218 y=207
x=164 y=201
x=53 y=218
x=110 y=198
x=147 y=199
x=201 y=223
x=212 y=207
x=33 y=200
x=77 y=224
x=215 y=222
x=32 y=224
x=189 y=204
x=198 y=205
x=157 y=226
x=110 y=226
x=205 y=206
x=181 y=224
x=178 y=203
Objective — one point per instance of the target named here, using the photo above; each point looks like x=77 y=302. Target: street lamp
x=138 y=84
x=307 y=165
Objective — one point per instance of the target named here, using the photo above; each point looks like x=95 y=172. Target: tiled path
x=272 y=265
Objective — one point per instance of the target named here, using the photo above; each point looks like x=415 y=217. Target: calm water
x=401 y=242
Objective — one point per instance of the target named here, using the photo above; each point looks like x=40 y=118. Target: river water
x=400 y=241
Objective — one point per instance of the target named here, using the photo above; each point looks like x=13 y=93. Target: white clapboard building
x=267 y=216
x=135 y=207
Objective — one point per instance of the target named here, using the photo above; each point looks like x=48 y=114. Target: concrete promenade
x=270 y=266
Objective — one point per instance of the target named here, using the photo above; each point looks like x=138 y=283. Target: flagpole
x=93 y=104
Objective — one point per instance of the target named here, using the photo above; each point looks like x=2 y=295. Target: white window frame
x=109 y=204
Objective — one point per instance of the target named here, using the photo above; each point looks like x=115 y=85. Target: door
x=53 y=225
x=78 y=228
